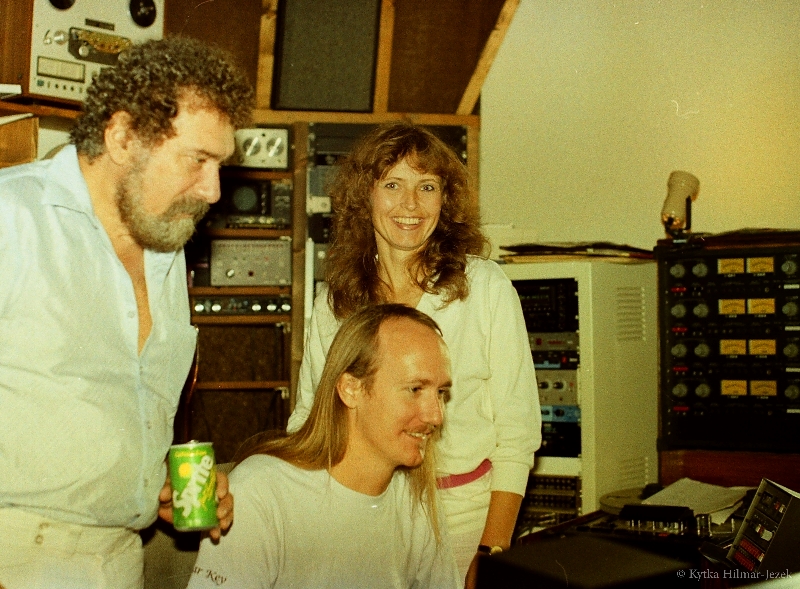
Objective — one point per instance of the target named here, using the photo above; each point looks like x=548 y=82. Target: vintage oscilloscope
x=730 y=342
x=592 y=326
x=61 y=44
x=247 y=202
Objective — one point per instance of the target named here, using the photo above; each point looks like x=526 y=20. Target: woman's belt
x=457 y=480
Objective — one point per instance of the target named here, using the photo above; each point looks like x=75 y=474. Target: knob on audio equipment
x=792 y=392
x=677 y=271
x=791 y=350
x=702 y=390
x=143 y=12
x=59 y=38
x=679 y=350
x=680 y=390
x=678 y=311
x=700 y=270
x=702 y=350
x=790 y=309
x=789 y=267
x=701 y=311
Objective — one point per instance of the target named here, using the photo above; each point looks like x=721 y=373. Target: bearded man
x=95 y=338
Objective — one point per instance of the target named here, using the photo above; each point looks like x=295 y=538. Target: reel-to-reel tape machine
x=59 y=45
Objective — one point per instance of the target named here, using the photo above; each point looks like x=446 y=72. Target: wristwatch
x=490 y=550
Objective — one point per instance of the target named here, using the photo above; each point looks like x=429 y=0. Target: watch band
x=490 y=550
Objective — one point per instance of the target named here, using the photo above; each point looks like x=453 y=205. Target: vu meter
x=262 y=148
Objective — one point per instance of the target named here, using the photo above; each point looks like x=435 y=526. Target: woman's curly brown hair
x=439 y=268
x=148 y=82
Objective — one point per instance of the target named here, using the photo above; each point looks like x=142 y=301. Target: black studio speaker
x=325 y=55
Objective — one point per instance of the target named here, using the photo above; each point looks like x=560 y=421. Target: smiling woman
x=405 y=208
x=405 y=230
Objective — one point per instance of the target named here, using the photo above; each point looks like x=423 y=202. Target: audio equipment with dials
x=329 y=142
x=768 y=538
x=730 y=342
x=247 y=202
x=592 y=330
x=550 y=307
x=62 y=44
x=251 y=262
x=241 y=305
x=262 y=148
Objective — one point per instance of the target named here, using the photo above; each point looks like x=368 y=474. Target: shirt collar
x=69 y=189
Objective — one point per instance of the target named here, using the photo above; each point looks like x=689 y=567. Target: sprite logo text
x=189 y=498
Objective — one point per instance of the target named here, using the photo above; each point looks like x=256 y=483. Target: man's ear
x=119 y=138
x=350 y=390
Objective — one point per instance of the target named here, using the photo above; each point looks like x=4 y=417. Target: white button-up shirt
x=85 y=420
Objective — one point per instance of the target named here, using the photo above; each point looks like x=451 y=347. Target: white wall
x=590 y=104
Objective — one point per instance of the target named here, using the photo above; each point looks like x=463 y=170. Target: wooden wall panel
x=435 y=49
x=730 y=469
x=234 y=25
x=228 y=418
x=241 y=353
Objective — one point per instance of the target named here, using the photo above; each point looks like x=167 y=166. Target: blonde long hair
x=321 y=441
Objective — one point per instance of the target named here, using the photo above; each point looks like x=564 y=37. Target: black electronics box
x=579 y=562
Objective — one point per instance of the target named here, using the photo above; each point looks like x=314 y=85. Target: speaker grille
x=325 y=55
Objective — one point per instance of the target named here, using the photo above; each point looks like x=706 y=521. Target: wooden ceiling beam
x=473 y=90
x=266 y=52
x=384 y=63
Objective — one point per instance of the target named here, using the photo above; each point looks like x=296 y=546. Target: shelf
x=255 y=173
x=285 y=117
x=40 y=110
x=246 y=233
x=215 y=291
x=248 y=385
x=253 y=319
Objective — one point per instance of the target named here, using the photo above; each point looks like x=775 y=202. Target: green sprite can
x=193 y=472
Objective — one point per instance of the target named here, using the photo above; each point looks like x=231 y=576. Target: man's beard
x=167 y=232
